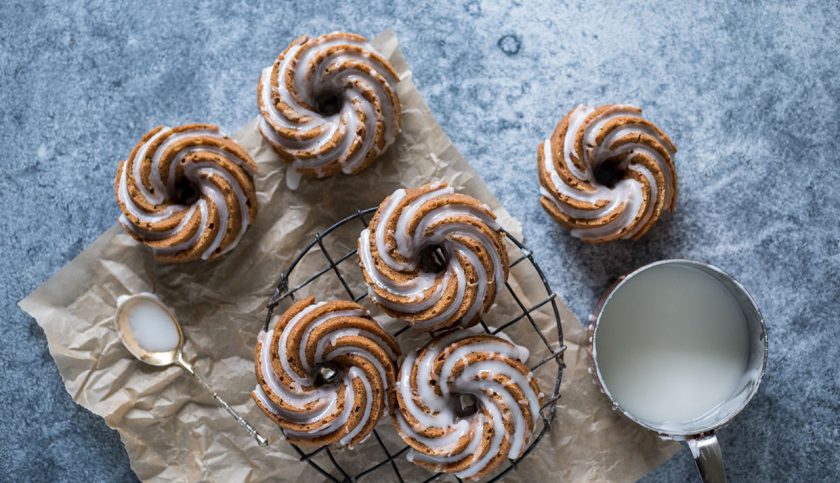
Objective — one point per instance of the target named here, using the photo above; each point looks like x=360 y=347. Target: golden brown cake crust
x=346 y=70
x=308 y=338
x=187 y=192
x=395 y=250
x=614 y=143
x=489 y=368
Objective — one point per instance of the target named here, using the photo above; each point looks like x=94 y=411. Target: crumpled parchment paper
x=174 y=431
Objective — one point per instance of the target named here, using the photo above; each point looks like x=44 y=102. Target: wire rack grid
x=285 y=292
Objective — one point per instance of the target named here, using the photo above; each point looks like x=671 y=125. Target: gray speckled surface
x=749 y=92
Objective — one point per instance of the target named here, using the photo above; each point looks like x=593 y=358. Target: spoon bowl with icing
x=151 y=332
x=149 y=329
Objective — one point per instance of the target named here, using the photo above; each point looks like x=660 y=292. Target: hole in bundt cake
x=185 y=192
x=465 y=405
x=326 y=373
x=610 y=171
x=328 y=103
x=433 y=259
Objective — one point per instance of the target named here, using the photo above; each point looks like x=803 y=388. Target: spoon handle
x=227 y=407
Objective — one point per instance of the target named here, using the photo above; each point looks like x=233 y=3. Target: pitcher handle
x=708 y=457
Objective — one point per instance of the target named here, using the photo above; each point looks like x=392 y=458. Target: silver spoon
x=152 y=333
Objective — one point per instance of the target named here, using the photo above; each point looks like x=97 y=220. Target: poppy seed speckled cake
x=607 y=173
x=468 y=440
x=433 y=257
x=325 y=372
x=328 y=105
x=187 y=192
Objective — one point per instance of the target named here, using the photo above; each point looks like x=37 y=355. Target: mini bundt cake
x=466 y=402
x=607 y=173
x=325 y=372
x=329 y=104
x=187 y=192
x=433 y=257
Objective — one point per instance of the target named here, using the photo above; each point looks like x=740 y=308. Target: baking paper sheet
x=173 y=430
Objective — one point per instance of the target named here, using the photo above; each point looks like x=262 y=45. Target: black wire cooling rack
x=335 y=471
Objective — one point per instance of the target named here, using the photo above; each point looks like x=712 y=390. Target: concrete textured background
x=749 y=91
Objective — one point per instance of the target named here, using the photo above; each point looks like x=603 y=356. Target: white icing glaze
x=316 y=73
x=440 y=226
x=293 y=178
x=162 y=197
x=313 y=404
x=627 y=196
x=150 y=325
x=475 y=379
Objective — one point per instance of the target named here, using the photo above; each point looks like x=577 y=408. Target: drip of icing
x=523 y=353
x=293 y=178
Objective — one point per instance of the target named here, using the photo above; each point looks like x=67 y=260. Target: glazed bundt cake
x=471 y=439
x=433 y=257
x=607 y=173
x=325 y=372
x=187 y=192
x=329 y=104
